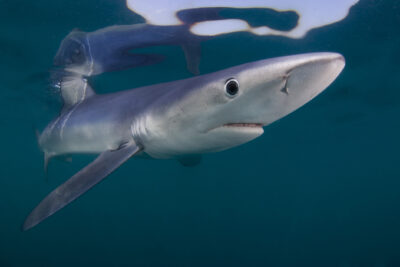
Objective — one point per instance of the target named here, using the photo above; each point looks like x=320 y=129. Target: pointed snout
x=281 y=85
x=309 y=74
x=305 y=75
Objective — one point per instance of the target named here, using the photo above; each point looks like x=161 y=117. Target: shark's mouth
x=246 y=125
x=240 y=127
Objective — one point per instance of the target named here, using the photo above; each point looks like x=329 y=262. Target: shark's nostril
x=285 y=88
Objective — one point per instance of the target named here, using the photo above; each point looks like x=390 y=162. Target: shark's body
x=202 y=114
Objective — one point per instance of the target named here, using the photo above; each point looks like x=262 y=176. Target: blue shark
x=202 y=114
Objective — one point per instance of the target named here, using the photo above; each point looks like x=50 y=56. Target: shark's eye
x=232 y=87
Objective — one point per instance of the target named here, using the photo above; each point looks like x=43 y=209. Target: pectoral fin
x=81 y=182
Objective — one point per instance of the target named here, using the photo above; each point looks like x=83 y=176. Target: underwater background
x=321 y=187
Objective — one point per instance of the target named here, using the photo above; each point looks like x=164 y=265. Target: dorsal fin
x=192 y=52
x=74 y=89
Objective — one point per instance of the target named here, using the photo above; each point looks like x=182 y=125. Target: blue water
x=321 y=187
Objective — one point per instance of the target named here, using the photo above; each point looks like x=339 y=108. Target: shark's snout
x=291 y=82
x=309 y=78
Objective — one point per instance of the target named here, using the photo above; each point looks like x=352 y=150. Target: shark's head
x=224 y=109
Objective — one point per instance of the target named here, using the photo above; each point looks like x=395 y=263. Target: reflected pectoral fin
x=81 y=182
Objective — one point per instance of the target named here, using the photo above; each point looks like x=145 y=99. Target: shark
x=178 y=119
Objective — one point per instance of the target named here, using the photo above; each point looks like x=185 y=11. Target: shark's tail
x=74 y=87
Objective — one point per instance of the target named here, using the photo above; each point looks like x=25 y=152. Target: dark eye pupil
x=232 y=88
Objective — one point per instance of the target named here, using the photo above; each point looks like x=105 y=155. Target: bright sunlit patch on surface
x=313 y=14
x=217 y=27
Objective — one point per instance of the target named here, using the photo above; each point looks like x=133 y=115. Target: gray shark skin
x=110 y=48
x=202 y=114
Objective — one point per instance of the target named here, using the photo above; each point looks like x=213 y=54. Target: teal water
x=321 y=187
